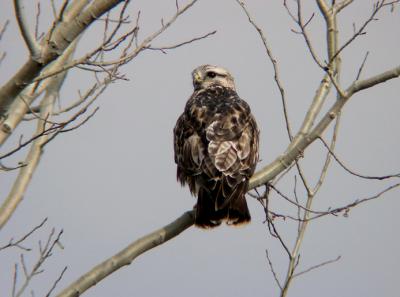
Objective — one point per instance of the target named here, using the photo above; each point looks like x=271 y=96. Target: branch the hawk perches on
x=216 y=148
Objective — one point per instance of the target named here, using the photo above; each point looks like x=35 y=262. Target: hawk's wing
x=216 y=148
x=233 y=152
x=189 y=152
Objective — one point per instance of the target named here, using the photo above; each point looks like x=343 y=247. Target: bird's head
x=207 y=75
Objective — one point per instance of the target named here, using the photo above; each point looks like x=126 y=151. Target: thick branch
x=331 y=31
x=360 y=85
x=21 y=105
x=127 y=255
x=60 y=38
x=158 y=237
x=302 y=141
x=32 y=160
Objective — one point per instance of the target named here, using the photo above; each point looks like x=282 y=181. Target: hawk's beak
x=197 y=78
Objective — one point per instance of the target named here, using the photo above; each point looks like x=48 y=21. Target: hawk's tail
x=238 y=212
x=209 y=216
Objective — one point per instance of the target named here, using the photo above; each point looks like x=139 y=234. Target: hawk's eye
x=211 y=74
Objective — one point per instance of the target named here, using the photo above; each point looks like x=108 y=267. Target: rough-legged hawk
x=216 y=148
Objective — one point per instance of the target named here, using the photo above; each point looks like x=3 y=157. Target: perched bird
x=216 y=148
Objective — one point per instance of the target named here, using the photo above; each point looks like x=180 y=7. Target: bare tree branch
x=360 y=85
x=362 y=66
x=57 y=43
x=347 y=207
x=317 y=266
x=25 y=173
x=30 y=41
x=2 y=31
x=38 y=11
x=295 y=203
x=351 y=171
x=163 y=48
x=342 y=4
x=4 y=28
x=61 y=37
x=53 y=287
x=20 y=185
x=377 y=7
x=274 y=233
x=303 y=140
x=333 y=211
x=274 y=65
x=324 y=171
x=45 y=253
x=18 y=242
x=127 y=255
x=271 y=266
x=303 y=25
x=333 y=73
x=146 y=42
x=15 y=278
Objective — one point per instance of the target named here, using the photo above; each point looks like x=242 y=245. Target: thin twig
x=57 y=20
x=303 y=177
x=304 y=33
x=342 y=4
x=351 y=171
x=294 y=203
x=324 y=170
x=273 y=270
x=377 y=7
x=274 y=232
x=335 y=211
x=317 y=266
x=124 y=58
x=146 y=42
x=163 y=48
x=9 y=168
x=19 y=241
x=30 y=41
x=56 y=128
x=86 y=58
x=45 y=252
x=84 y=121
x=347 y=208
x=274 y=65
x=297 y=201
x=4 y=28
x=53 y=8
x=362 y=66
x=15 y=279
x=56 y=282
x=37 y=37
x=32 y=159
x=2 y=57
x=307 y=134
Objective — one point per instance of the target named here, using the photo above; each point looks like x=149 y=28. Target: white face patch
x=207 y=75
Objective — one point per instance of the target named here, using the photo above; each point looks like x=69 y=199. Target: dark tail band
x=207 y=216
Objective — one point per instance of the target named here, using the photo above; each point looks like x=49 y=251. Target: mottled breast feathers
x=216 y=151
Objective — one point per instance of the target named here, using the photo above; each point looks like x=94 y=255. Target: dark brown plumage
x=216 y=148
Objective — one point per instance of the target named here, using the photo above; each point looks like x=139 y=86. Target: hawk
x=216 y=148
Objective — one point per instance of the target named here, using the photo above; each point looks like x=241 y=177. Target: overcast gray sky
x=113 y=180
